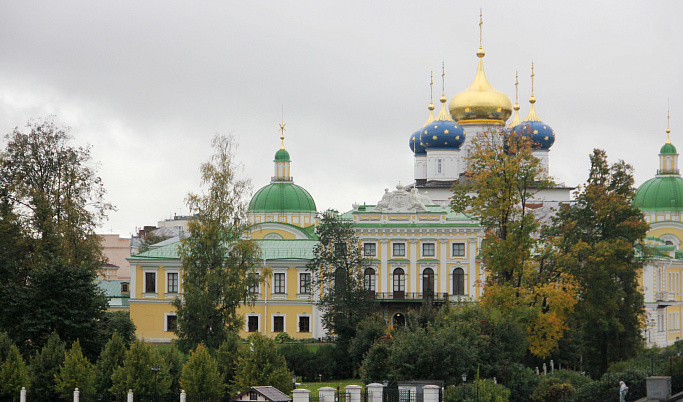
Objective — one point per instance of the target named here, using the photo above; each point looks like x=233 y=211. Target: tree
x=51 y=201
x=523 y=275
x=226 y=357
x=338 y=267
x=136 y=373
x=175 y=360
x=13 y=373
x=261 y=364
x=75 y=372
x=600 y=239
x=45 y=367
x=200 y=374
x=217 y=262
x=112 y=357
x=119 y=322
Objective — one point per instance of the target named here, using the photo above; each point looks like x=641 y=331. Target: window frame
x=279 y=286
x=166 y=318
x=398 y=279
x=277 y=317
x=459 y=276
x=372 y=246
x=145 y=281
x=453 y=249
x=177 y=282
x=299 y=317
x=428 y=245
x=305 y=286
x=258 y=323
x=400 y=246
x=370 y=279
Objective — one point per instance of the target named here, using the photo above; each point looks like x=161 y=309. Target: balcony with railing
x=413 y=296
x=665 y=298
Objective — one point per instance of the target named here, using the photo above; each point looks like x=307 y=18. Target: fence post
x=301 y=395
x=22 y=395
x=430 y=393
x=77 y=395
x=183 y=396
x=375 y=392
x=326 y=394
x=130 y=395
x=353 y=393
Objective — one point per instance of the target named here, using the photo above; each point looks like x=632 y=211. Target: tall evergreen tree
x=175 y=361
x=201 y=376
x=45 y=367
x=338 y=270
x=136 y=373
x=216 y=260
x=112 y=357
x=261 y=364
x=75 y=372
x=601 y=240
x=227 y=355
x=13 y=373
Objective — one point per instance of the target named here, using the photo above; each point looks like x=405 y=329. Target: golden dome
x=481 y=102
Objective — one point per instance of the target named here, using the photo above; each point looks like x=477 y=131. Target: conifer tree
x=5 y=344
x=75 y=372
x=136 y=373
x=111 y=358
x=261 y=364
x=201 y=376
x=45 y=366
x=13 y=373
x=175 y=360
x=227 y=356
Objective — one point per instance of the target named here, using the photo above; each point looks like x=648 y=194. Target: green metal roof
x=282 y=196
x=282 y=156
x=668 y=149
x=662 y=193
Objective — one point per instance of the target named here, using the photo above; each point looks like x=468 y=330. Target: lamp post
x=294 y=379
x=155 y=369
x=464 y=377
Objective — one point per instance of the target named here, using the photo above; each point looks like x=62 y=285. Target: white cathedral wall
x=443 y=164
x=420 y=167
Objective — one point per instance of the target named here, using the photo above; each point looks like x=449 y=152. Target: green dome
x=282 y=156
x=662 y=193
x=283 y=196
x=668 y=149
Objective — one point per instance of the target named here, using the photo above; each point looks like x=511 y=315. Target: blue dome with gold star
x=416 y=144
x=540 y=133
x=443 y=134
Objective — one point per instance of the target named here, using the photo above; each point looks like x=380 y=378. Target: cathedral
x=417 y=247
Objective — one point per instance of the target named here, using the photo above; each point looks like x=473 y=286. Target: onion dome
x=481 y=102
x=415 y=140
x=443 y=132
x=668 y=148
x=532 y=127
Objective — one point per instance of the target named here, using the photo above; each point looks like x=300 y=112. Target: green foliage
x=338 y=267
x=45 y=366
x=13 y=373
x=200 y=374
x=119 y=322
x=226 y=357
x=599 y=236
x=5 y=344
x=608 y=386
x=75 y=372
x=112 y=357
x=480 y=390
x=374 y=367
x=368 y=332
x=136 y=372
x=217 y=262
x=175 y=360
x=261 y=364
x=282 y=337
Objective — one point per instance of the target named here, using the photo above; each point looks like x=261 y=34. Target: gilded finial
x=443 y=113
x=282 y=129
x=431 y=98
x=517 y=90
x=532 y=116
x=533 y=98
x=480 y=51
x=668 y=130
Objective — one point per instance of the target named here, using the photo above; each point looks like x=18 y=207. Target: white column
x=22 y=395
x=375 y=392
x=472 y=274
x=130 y=395
x=77 y=396
x=430 y=393
x=183 y=396
x=384 y=267
x=413 y=270
x=353 y=392
x=444 y=275
x=301 y=395
x=326 y=394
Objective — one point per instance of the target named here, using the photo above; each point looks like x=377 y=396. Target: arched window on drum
x=458 y=281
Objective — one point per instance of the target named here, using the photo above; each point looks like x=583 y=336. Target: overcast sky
x=148 y=84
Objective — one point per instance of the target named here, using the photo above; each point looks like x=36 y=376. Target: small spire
x=480 y=51
x=668 y=130
x=532 y=116
x=443 y=113
x=282 y=128
x=431 y=97
x=516 y=120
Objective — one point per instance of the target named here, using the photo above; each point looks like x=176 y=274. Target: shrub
x=282 y=337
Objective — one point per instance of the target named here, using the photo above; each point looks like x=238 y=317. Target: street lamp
x=464 y=377
x=155 y=369
x=294 y=379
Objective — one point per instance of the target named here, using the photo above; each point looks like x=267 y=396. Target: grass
x=313 y=386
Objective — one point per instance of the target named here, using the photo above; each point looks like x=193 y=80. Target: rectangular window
x=172 y=285
x=125 y=288
x=171 y=323
x=252 y=323
x=253 y=396
x=428 y=249
x=438 y=166
x=256 y=287
x=399 y=249
x=150 y=282
x=458 y=249
x=305 y=282
x=340 y=248
x=279 y=283
x=304 y=324
x=369 y=249
x=278 y=323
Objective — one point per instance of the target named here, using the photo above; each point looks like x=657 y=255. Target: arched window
x=340 y=280
x=399 y=283
x=458 y=281
x=369 y=280
x=428 y=282
x=399 y=320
